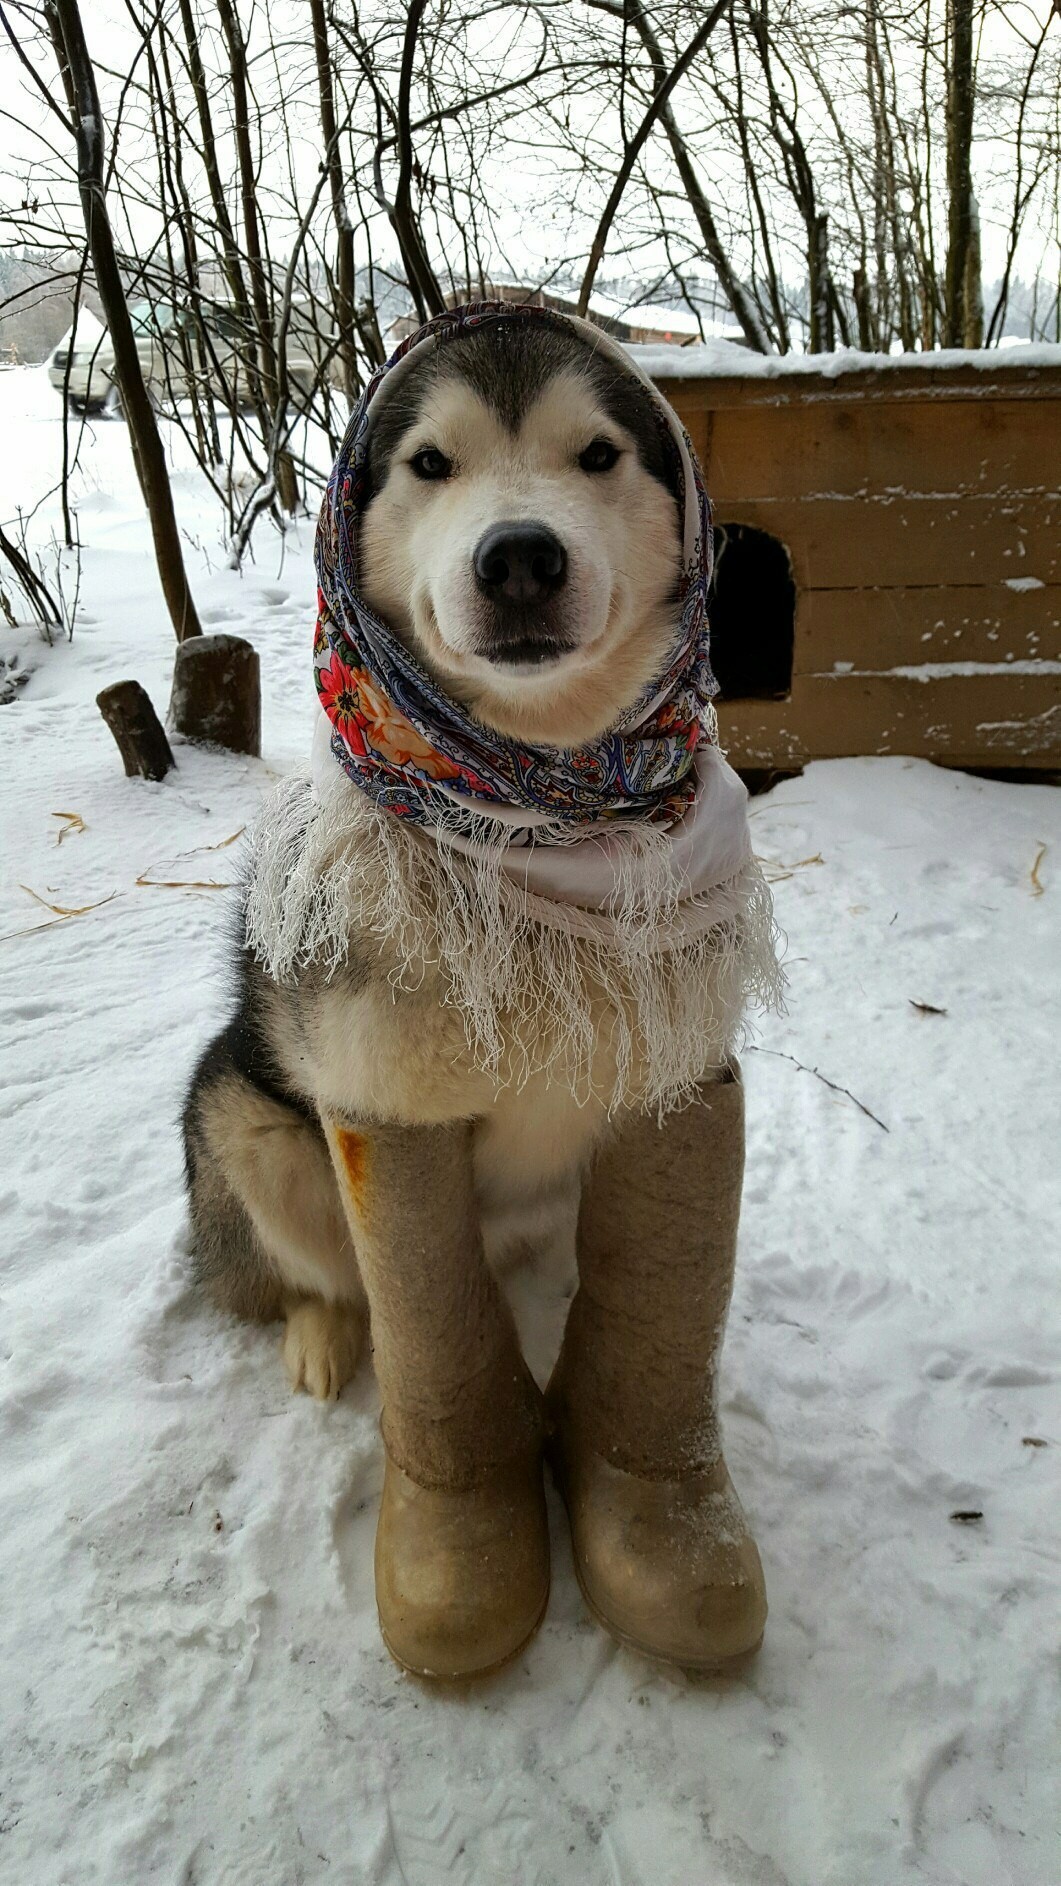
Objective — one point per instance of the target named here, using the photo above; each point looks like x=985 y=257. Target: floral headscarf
x=417 y=752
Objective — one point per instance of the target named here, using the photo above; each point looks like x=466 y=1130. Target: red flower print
x=395 y=738
x=337 y=688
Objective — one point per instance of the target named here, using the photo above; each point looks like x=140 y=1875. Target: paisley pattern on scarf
x=419 y=754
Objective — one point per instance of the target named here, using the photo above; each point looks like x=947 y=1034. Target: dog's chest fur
x=361 y=1048
x=381 y=1037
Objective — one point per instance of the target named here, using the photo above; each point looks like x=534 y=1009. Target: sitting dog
x=495 y=955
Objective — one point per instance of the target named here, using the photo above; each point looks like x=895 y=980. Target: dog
x=520 y=534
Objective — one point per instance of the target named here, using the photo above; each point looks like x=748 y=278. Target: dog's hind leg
x=270 y=1234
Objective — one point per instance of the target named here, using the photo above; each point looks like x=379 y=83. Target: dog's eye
x=599 y=456
x=429 y=463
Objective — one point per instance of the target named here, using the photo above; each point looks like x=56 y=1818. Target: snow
x=949 y=670
x=719 y=359
x=86 y=328
x=192 y=1686
x=683 y=324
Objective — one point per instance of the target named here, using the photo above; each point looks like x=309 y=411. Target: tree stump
x=142 y=743
x=217 y=692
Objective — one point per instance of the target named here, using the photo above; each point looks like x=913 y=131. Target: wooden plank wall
x=921 y=509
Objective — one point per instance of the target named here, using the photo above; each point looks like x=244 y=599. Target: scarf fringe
x=626 y=1006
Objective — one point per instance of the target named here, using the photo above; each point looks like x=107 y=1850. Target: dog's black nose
x=519 y=563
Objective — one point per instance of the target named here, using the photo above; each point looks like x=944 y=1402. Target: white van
x=167 y=342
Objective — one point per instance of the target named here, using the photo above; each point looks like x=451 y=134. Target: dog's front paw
x=322 y=1343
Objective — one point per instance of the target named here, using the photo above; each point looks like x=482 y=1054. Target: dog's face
x=521 y=534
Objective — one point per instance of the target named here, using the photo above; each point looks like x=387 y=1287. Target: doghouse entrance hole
x=753 y=614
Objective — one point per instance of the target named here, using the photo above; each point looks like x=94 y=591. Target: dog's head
x=521 y=531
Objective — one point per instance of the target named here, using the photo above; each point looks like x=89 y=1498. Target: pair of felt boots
x=661 y=1547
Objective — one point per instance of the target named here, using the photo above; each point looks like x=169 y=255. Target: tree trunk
x=664 y=91
x=261 y=296
x=973 y=286
x=961 y=210
x=33 y=587
x=230 y=256
x=136 y=727
x=423 y=282
x=822 y=336
x=861 y=297
x=79 y=80
x=344 y=234
x=741 y=303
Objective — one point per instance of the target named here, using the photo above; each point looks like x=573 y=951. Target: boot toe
x=667 y=1566
x=462 y=1576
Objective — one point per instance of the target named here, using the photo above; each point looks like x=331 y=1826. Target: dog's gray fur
x=508 y=367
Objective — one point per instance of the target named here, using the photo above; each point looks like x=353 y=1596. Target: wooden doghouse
x=889 y=552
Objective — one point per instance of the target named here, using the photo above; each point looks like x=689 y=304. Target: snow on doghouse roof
x=722 y=359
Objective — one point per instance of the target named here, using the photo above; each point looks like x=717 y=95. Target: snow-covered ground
x=192 y=1687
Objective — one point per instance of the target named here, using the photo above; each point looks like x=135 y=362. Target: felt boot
x=662 y=1549
x=462 y=1549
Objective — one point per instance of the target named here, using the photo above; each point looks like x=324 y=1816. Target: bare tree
x=276 y=198
x=344 y=228
x=715 y=251
x=636 y=145
x=86 y=124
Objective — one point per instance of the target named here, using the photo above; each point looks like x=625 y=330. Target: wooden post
x=217 y=693
x=142 y=743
